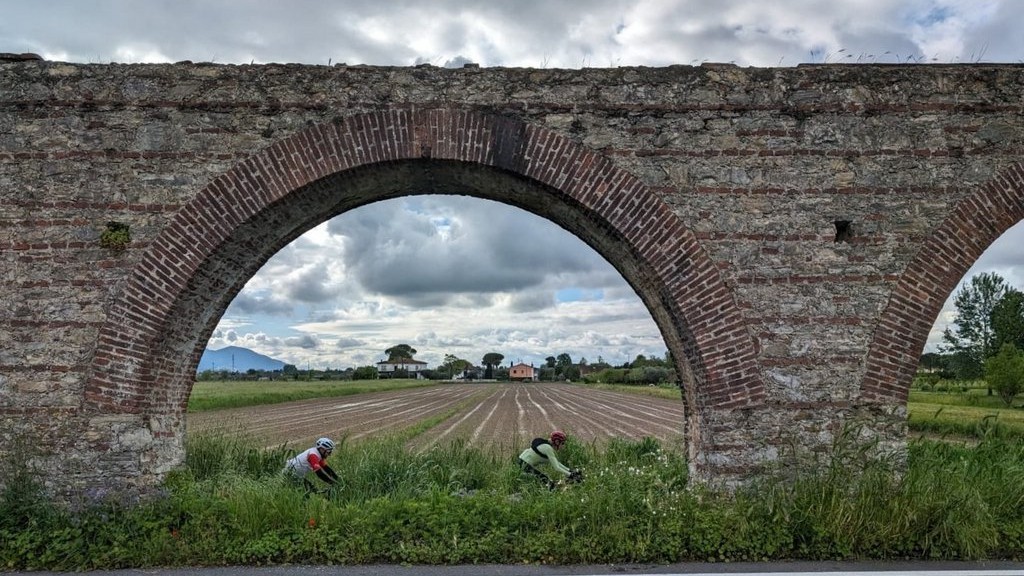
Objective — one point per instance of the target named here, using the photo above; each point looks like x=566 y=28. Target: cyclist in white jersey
x=313 y=460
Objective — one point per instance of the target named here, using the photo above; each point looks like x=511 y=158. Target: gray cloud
x=246 y=303
x=531 y=302
x=311 y=285
x=530 y=33
x=306 y=341
x=426 y=250
x=344 y=343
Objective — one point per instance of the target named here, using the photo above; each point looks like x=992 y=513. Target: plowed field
x=489 y=416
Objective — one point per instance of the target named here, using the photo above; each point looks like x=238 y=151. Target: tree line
x=641 y=370
x=561 y=367
x=985 y=339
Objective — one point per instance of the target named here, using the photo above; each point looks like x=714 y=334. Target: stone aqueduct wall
x=715 y=190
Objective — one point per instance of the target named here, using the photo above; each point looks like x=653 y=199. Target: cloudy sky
x=489 y=277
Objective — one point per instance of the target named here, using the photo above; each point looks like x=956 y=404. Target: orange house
x=522 y=372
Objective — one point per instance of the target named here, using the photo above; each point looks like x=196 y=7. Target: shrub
x=1005 y=372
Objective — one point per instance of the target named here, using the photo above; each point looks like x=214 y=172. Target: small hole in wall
x=844 y=230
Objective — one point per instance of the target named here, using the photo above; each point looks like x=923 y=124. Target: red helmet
x=558 y=437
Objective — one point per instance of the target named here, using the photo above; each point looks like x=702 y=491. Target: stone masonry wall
x=716 y=190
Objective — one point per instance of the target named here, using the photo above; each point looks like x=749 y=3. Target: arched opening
x=1003 y=258
x=952 y=394
x=931 y=278
x=419 y=266
x=151 y=343
x=453 y=276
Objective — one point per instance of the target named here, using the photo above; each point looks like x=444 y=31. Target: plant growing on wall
x=116 y=236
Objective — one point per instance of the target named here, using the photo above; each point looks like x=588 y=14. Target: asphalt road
x=689 y=569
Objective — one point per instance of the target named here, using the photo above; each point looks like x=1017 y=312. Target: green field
x=670 y=391
x=971 y=413
x=218 y=394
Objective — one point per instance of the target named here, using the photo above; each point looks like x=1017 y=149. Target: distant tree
x=933 y=361
x=656 y=375
x=639 y=362
x=974 y=338
x=365 y=373
x=290 y=370
x=550 y=361
x=1004 y=372
x=562 y=362
x=451 y=365
x=1008 y=319
x=965 y=366
x=400 y=352
x=491 y=359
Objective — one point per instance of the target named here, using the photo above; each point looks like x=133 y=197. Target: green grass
x=670 y=391
x=229 y=505
x=967 y=421
x=215 y=395
x=966 y=411
x=976 y=397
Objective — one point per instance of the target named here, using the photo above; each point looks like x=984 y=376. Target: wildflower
x=312 y=522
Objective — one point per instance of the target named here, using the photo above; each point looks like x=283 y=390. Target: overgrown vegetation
x=116 y=236
x=230 y=505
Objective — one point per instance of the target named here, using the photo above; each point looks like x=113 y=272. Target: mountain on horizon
x=238 y=359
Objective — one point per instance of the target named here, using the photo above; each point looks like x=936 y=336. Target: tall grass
x=229 y=504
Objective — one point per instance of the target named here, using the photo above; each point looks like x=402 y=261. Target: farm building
x=522 y=372
x=388 y=368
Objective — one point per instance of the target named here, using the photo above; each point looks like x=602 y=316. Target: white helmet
x=325 y=443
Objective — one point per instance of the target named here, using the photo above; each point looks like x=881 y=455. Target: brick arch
x=974 y=224
x=137 y=357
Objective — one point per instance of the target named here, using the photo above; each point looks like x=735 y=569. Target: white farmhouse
x=387 y=368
